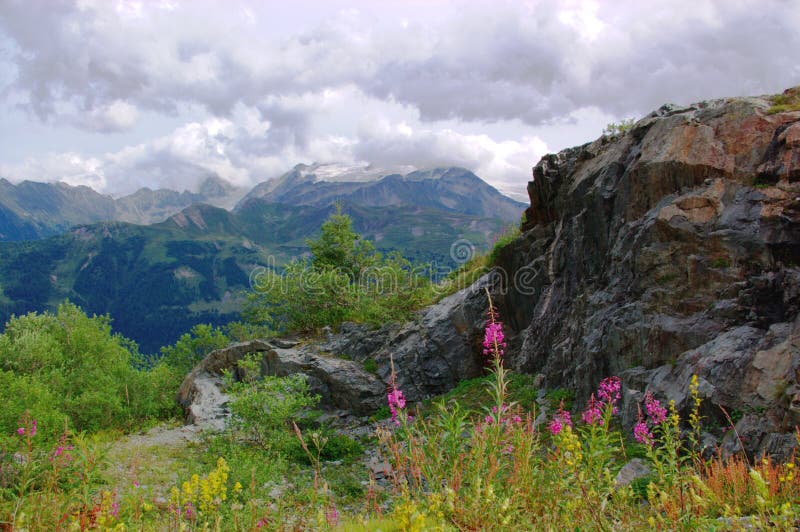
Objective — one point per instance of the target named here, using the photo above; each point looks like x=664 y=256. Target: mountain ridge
x=451 y=189
x=32 y=210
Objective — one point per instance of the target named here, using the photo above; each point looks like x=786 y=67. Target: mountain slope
x=31 y=210
x=447 y=189
x=157 y=281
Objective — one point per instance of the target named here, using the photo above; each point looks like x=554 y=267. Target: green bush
x=345 y=280
x=192 y=347
x=68 y=371
x=618 y=128
x=264 y=408
x=506 y=238
x=336 y=447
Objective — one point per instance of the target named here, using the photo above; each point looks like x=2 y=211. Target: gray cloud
x=355 y=86
x=491 y=61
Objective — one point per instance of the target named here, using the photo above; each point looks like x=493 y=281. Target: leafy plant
x=619 y=128
x=345 y=280
x=263 y=408
x=68 y=370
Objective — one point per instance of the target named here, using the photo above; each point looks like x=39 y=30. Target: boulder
x=667 y=251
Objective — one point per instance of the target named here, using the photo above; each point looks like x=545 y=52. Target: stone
x=636 y=468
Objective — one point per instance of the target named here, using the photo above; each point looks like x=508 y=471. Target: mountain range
x=158 y=280
x=32 y=210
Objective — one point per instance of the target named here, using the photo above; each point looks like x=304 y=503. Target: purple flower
x=494 y=344
x=641 y=433
x=332 y=516
x=560 y=420
x=656 y=412
x=396 y=402
x=593 y=413
x=609 y=391
x=21 y=431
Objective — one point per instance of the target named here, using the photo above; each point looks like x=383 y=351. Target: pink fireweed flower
x=397 y=402
x=656 y=412
x=115 y=506
x=593 y=414
x=560 y=420
x=332 y=516
x=494 y=344
x=641 y=433
x=609 y=391
x=30 y=430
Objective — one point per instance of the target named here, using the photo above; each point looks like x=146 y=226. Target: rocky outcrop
x=668 y=251
x=432 y=354
x=342 y=384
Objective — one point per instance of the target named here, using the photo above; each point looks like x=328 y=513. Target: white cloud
x=485 y=84
x=487 y=61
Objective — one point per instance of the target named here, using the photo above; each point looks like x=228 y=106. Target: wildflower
x=560 y=420
x=30 y=430
x=397 y=402
x=609 y=391
x=494 y=344
x=593 y=414
x=332 y=516
x=640 y=431
x=656 y=412
x=115 y=506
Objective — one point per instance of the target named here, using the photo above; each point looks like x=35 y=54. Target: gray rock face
x=340 y=383
x=431 y=355
x=633 y=470
x=667 y=251
x=670 y=250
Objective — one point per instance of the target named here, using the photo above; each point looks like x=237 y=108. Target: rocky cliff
x=670 y=250
x=666 y=251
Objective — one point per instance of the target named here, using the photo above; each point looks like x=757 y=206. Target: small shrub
x=618 y=128
x=720 y=263
x=336 y=447
x=786 y=102
x=263 y=408
x=502 y=241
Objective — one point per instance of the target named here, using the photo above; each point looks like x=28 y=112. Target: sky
x=119 y=95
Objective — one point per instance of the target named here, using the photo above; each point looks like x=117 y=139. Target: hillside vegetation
x=476 y=459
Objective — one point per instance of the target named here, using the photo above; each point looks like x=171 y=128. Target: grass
x=474 y=459
x=787 y=102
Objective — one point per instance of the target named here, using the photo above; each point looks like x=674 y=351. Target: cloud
x=249 y=148
x=489 y=85
x=487 y=61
